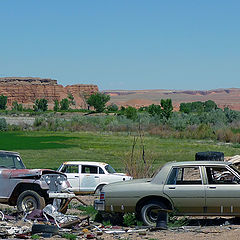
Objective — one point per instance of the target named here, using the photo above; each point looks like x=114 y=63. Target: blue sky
x=123 y=44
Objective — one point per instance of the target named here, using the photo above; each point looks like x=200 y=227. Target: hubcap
x=29 y=203
x=152 y=214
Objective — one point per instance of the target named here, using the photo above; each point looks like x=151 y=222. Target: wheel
x=99 y=189
x=150 y=211
x=30 y=200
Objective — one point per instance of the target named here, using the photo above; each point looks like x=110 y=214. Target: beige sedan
x=200 y=188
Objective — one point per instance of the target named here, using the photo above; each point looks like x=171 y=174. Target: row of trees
x=40 y=104
x=192 y=112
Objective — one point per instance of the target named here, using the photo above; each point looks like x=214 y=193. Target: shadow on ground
x=213 y=221
x=12 y=141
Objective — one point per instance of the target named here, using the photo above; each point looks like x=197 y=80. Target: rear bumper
x=99 y=205
x=61 y=195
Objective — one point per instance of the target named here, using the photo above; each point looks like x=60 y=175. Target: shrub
x=129 y=219
x=131 y=113
x=178 y=121
x=17 y=107
x=225 y=135
x=3 y=102
x=139 y=162
x=3 y=124
x=112 y=108
x=56 y=105
x=154 y=110
x=204 y=131
x=40 y=105
x=64 y=104
x=38 y=121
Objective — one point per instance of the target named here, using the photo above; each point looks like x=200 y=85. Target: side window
x=221 y=175
x=89 y=169
x=70 y=169
x=184 y=176
x=101 y=171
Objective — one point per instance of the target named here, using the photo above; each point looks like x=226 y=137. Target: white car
x=90 y=177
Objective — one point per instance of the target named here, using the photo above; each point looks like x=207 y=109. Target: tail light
x=102 y=196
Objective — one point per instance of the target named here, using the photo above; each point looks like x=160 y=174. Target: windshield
x=235 y=168
x=11 y=161
x=110 y=169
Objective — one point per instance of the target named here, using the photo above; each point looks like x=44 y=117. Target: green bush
x=112 y=108
x=129 y=219
x=64 y=104
x=131 y=113
x=56 y=105
x=3 y=124
x=40 y=105
x=17 y=107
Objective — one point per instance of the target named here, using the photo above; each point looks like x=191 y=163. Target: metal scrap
x=58 y=217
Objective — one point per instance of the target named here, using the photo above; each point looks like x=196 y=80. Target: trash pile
x=46 y=223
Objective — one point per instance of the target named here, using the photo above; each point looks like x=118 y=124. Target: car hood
x=27 y=173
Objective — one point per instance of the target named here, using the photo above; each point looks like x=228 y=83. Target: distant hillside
x=26 y=90
x=229 y=97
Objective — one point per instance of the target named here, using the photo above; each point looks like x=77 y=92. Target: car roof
x=86 y=163
x=197 y=163
x=9 y=152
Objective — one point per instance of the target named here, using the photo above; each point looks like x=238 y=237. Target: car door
x=186 y=190
x=89 y=178
x=73 y=176
x=222 y=190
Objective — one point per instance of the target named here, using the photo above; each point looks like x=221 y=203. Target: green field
x=50 y=149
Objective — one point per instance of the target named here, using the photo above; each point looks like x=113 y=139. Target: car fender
x=160 y=197
x=100 y=184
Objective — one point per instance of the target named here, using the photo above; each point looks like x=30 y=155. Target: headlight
x=60 y=179
x=46 y=178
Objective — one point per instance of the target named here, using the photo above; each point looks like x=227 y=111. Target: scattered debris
x=48 y=223
x=235 y=160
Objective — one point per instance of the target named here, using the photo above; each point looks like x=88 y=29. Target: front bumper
x=60 y=195
x=99 y=205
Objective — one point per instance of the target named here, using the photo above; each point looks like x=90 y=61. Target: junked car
x=90 y=177
x=30 y=189
x=200 y=188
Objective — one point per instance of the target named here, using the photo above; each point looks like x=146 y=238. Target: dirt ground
x=198 y=228
x=210 y=228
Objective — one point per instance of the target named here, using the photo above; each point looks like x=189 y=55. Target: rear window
x=110 y=169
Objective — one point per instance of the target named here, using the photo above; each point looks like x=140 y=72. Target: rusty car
x=191 y=188
x=30 y=189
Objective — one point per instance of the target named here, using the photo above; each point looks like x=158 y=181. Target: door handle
x=212 y=187
x=76 y=176
x=96 y=177
x=171 y=187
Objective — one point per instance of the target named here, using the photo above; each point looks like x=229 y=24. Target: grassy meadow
x=41 y=149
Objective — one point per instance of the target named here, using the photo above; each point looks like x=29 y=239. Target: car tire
x=29 y=201
x=209 y=156
x=149 y=212
x=44 y=228
x=99 y=189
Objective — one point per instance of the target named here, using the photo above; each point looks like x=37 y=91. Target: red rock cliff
x=26 y=90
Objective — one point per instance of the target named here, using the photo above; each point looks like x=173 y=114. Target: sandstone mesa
x=25 y=90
